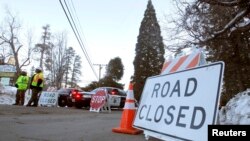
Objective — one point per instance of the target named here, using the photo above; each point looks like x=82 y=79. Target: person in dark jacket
x=21 y=85
x=37 y=82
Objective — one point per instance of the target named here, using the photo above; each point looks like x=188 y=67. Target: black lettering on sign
x=159 y=113
x=164 y=92
x=194 y=81
x=155 y=90
x=147 y=118
x=140 y=116
x=190 y=88
x=176 y=89
x=170 y=115
x=203 y=114
x=181 y=115
x=174 y=115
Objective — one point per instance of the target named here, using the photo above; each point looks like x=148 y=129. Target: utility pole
x=100 y=69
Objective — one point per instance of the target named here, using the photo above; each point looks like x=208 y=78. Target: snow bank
x=6 y=99
x=8 y=95
x=237 y=110
x=10 y=90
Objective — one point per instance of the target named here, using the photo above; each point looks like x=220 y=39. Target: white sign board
x=181 y=105
x=7 y=68
x=48 y=98
x=5 y=81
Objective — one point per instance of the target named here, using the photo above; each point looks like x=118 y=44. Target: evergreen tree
x=70 y=54
x=115 y=69
x=149 y=50
x=114 y=72
x=91 y=86
x=76 y=72
x=44 y=47
x=109 y=82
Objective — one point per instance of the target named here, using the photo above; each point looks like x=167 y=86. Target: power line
x=78 y=25
x=100 y=69
x=78 y=37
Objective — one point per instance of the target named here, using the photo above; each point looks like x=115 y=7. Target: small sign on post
x=181 y=105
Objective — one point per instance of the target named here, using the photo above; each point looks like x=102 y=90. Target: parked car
x=64 y=98
x=117 y=97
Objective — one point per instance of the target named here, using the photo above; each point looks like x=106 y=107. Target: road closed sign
x=48 y=99
x=181 y=105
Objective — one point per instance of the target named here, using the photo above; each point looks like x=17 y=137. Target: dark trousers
x=20 y=97
x=34 y=98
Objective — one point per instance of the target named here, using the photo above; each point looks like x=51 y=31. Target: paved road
x=18 y=123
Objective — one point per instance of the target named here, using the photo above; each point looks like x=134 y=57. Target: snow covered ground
x=8 y=95
x=236 y=111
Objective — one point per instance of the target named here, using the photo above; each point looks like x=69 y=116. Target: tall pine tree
x=69 y=58
x=76 y=72
x=115 y=69
x=149 y=50
x=44 y=47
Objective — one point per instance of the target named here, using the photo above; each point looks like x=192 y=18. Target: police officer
x=37 y=82
x=21 y=85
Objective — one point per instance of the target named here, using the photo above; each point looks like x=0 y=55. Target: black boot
x=29 y=104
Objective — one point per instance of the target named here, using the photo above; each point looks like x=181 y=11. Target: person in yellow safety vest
x=37 y=82
x=21 y=85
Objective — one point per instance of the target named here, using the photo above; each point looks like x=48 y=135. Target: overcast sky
x=109 y=27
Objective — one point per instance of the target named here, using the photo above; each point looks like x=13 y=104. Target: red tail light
x=114 y=92
x=76 y=95
x=74 y=92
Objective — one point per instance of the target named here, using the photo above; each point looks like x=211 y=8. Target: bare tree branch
x=230 y=25
x=24 y=63
x=225 y=3
x=18 y=48
x=245 y=27
x=9 y=39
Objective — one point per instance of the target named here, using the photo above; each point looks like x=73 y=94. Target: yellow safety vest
x=22 y=82
x=36 y=78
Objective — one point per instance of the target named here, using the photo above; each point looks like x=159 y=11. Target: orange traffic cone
x=128 y=115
